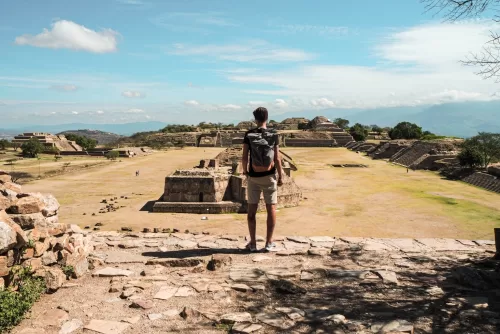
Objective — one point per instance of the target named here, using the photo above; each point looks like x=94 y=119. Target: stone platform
x=200 y=283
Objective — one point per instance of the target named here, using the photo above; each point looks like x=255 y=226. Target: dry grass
x=380 y=201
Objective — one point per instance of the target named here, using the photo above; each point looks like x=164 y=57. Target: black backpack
x=262 y=142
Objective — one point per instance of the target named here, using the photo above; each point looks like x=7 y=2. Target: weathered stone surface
x=442 y=245
x=395 y=326
x=389 y=277
x=231 y=318
x=7 y=237
x=48 y=258
x=186 y=244
x=346 y=274
x=184 y=291
x=34 y=264
x=200 y=287
x=128 y=293
x=318 y=251
x=321 y=239
x=166 y=292
x=299 y=239
x=230 y=237
x=245 y=328
x=4 y=269
x=51 y=205
x=241 y=287
x=12 y=186
x=54 y=278
x=54 y=318
x=115 y=257
x=128 y=244
x=107 y=327
x=306 y=276
x=171 y=313
x=132 y=320
x=71 y=326
x=377 y=245
x=4 y=178
x=189 y=313
x=485 y=242
x=174 y=262
x=283 y=272
x=261 y=258
x=155 y=316
x=143 y=304
x=111 y=272
x=246 y=274
x=210 y=245
x=26 y=205
x=296 y=251
x=292 y=312
x=41 y=247
x=274 y=319
x=287 y=287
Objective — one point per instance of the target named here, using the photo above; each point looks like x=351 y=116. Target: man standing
x=262 y=146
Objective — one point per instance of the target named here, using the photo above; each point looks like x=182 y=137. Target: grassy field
x=382 y=200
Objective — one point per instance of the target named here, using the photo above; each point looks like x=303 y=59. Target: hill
x=102 y=137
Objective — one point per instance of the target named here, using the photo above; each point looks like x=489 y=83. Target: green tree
x=358 y=132
x=377 y=129
x=112 y=155
x=341 y=123
x=406 y=130
x=4 y=144
x=470 y=157
x=487 y=145
x=32 y=148
x=85 y=142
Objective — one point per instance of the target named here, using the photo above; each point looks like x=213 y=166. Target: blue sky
x=117 y=61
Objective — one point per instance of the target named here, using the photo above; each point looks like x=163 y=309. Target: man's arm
x=277 y=163
x=244 y=159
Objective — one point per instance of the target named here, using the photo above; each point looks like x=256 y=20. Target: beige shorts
x=265 y=184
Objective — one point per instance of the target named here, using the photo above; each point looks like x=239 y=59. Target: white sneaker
x=271 y=247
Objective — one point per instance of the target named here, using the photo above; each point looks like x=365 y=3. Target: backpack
x=262 y=143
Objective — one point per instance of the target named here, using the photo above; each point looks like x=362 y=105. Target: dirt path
x=379 y=201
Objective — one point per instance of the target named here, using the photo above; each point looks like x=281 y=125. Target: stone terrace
x=199 y=283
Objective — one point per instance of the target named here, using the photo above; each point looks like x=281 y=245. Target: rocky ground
x=198 y=283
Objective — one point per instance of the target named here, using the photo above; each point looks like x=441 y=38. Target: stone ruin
x=49 y=141
x=219 y=187
x=31 y=236
x=321 y=132
x=292 y=123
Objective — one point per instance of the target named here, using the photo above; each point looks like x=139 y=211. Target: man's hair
x=260 y=114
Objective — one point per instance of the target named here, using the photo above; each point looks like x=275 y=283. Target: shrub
x=85 y=142
x=32 y=148
x=406 y=130
x=69 y=271
x=358 y=132
x=470 y=157
x=112 y=155
x=486 y=145
x=15 y=304
x=4 y=144
x=341 y=123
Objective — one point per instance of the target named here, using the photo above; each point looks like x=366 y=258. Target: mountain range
x=463 y=119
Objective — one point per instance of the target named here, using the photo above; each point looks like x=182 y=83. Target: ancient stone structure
x=32 y=236
x=219 y=188
x=49 y=141
x=246 y=125
x=488 y=181
x=292 y=123
x=386 y=150
x=212 y=139
x=423 y=154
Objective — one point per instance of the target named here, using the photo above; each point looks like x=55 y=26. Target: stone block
x=50 y=202
x=5 y=203
x=12 y=186
x=187 y=262
x=28 y=253
x=54 y=279
x=219 y=261
x=8 y=237
x=41 y=247
x=26 y=205
x=79 y=263
x=34 y=263
x=60 y=243
x=49 y=258
x=4 y=268
x=5 y=178
x=30 y=220
x=12 y=257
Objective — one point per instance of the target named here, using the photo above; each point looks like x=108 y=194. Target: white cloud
x=251 y=51
x=191 y=103
x=193 y=21
x=99 y=112
x=256 y=103
x=132 y=2
x=230 y=107
x=280 y=103
x=64 y=88
x=70 y=35
x=417 y=66
x=133 y=94
x=134 y=111
x=75 y=112
x=310 y=29
x=323 y=102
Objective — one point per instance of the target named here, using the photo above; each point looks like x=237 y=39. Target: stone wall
x=196 y=187
x=494 y=170
x=483 y=180
x=292 y=142
x=387 y=150
x=31 y=236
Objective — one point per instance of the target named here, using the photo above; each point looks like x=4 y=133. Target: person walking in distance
x=262 y=166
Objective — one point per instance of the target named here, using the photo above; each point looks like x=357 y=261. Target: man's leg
x=252 y=223
x=271 y=222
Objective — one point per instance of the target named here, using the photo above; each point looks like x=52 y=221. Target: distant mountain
x=102 y=137
x=125 y=129
x=464 y=119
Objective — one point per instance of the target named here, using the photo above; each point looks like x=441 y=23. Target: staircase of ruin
x=484 y=180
